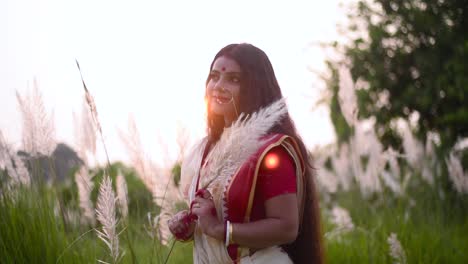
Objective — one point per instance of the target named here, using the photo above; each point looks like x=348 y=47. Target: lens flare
x=271 y=161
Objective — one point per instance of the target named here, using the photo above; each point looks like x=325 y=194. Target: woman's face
x=223 y=88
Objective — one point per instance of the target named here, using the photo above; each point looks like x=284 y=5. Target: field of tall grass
x=378 y=205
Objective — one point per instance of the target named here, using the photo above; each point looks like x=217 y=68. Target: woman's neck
x=228 y=121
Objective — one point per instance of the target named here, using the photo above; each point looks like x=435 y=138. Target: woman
x=249 y=185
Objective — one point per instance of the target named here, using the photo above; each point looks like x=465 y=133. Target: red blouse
x=277 y=176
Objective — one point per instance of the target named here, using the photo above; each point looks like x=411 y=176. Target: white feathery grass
x=105 y=211
x=341 y=166
x=240 y=141
x=430 y=165
x=365 y=144
x=182 y=139
x=347 y=96
x=168 y=195
x=22 y=173
x=457 y=176
x=154 y=178
x=106 y=215
x=38 y=126
x=391 y=182
x=17 y=171
x=158 y=181
x=85 y=133
x=122 y=195
x=5 y=151
x=85 y=187
x=461 y=144
x=88 y=130
x=154 y=229
x=163 y=148
x=342 y=219
x=412 y=147
x=94 y=113
x=415 y=153
x=138 y=158
x=327 y=180
x=392 y=177
x=77 y=138
x=396 y=251
x=392 y=156
x=163 y=233
x=370 y=180
x=151 y=228
x=355 y=156
x=72 y=217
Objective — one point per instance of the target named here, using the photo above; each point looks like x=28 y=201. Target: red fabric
x=277 y=176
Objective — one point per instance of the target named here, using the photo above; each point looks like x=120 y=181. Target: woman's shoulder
x=284 y=146
x=274 y=139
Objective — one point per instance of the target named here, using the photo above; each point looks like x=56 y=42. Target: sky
x=150 y=59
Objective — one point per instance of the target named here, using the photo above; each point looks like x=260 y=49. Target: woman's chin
x=217 y=108
x=217 y=111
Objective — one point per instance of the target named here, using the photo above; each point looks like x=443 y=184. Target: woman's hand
x=182 y=225
x=203 y=207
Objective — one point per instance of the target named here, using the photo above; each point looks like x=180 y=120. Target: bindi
x=223 y=69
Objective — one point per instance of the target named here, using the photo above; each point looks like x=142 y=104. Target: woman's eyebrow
x=227 y=72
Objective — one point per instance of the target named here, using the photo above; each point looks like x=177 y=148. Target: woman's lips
x=221 y=99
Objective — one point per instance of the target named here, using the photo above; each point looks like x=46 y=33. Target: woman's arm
x=280 y=225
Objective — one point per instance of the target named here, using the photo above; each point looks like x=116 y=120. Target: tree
x=412 y=56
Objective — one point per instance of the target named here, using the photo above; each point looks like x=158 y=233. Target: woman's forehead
x=225 y=64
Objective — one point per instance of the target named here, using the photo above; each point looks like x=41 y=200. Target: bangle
x=227 y=227
x=231 y=238
x=225 y=230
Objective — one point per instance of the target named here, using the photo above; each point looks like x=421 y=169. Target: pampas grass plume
x=85 y=186
x=122 y=195
x=396 y=250
x=106 y=215
x=456 y=175
x=38 y=126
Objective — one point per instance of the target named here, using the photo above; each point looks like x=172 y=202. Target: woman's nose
x=218 y=85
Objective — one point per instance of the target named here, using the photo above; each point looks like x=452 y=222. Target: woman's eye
x=214 y=77
x=235 y=79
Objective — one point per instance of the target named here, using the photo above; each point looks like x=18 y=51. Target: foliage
x=409 y=59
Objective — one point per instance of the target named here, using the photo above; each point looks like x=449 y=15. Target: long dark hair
x=259 y=88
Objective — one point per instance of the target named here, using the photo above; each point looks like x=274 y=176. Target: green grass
x=430 y=229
